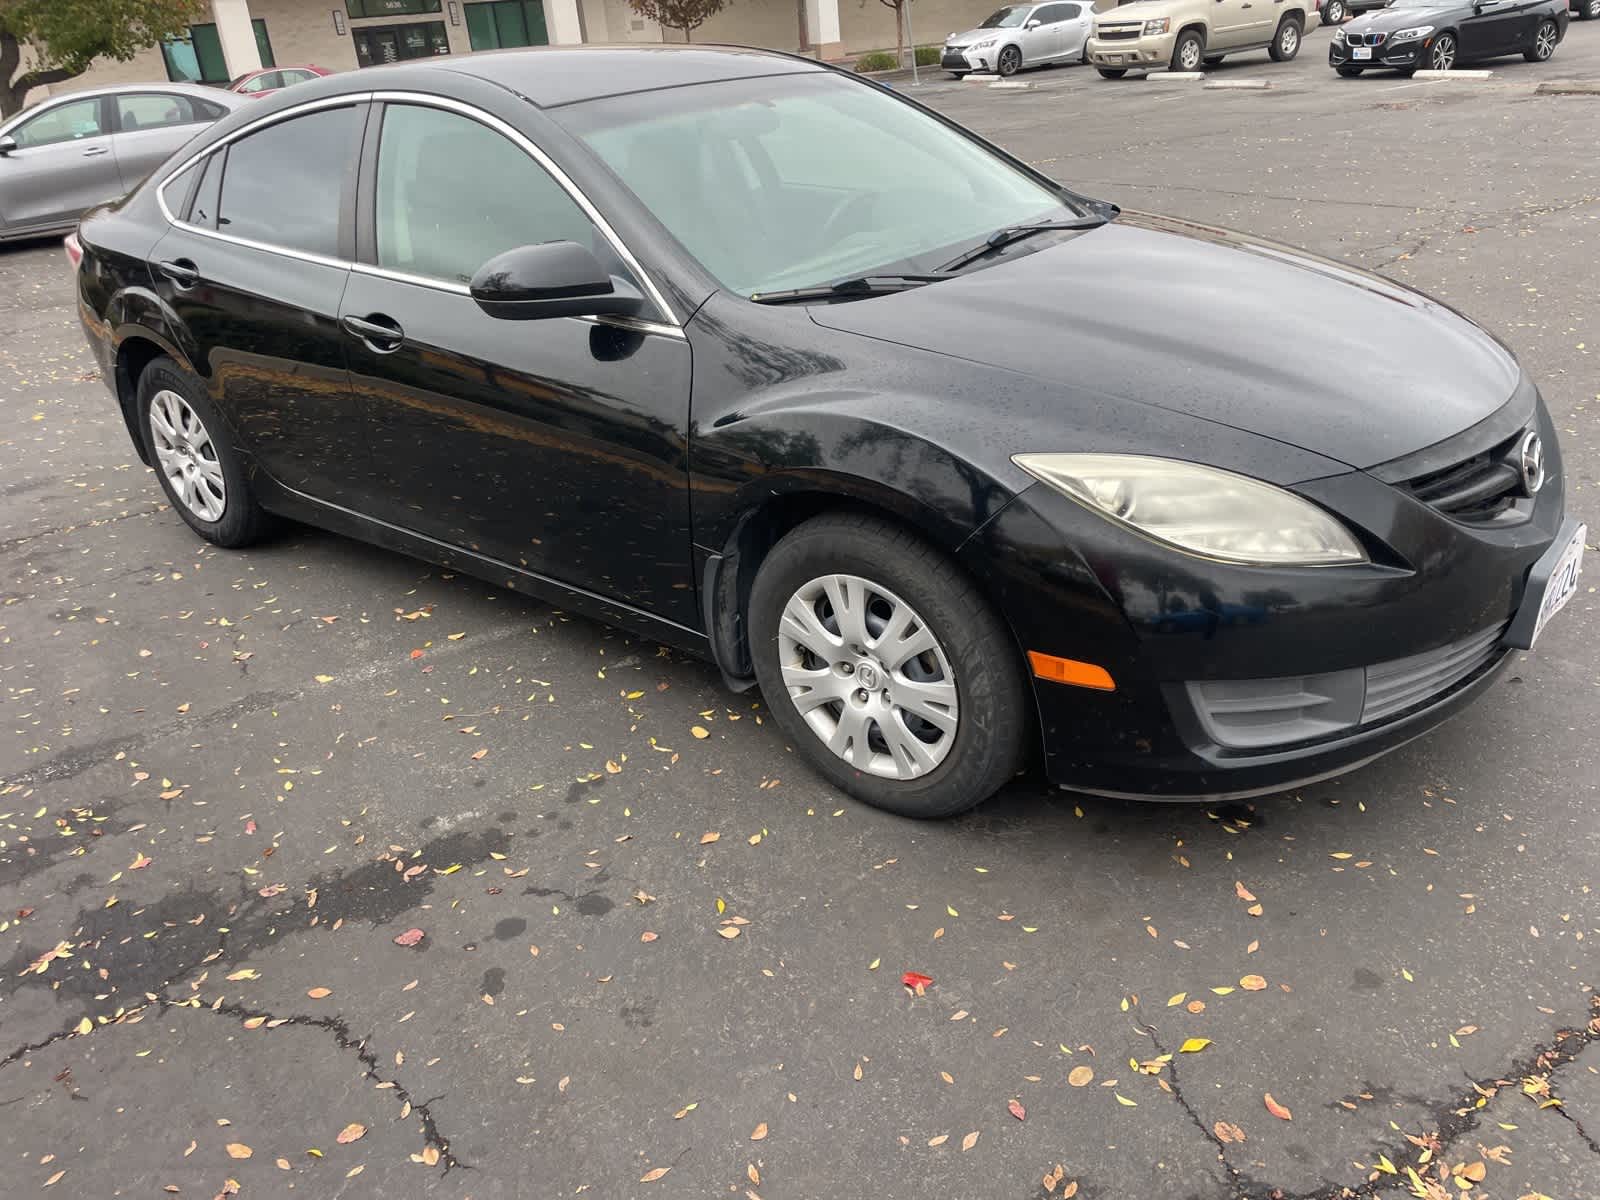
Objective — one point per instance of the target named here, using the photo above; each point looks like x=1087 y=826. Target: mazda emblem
x=1530 y=463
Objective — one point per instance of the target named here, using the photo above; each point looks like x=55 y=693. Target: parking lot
x=326 y=872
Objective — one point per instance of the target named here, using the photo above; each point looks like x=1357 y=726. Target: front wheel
x=1544 y=42
x=1286 y=42
x=200 y=471
x=1188 y=51
x=885 y=666
x=1009 y=62
x=1334 y=12
x=1113 y=72
x=1442 y=56
x=1589 y=10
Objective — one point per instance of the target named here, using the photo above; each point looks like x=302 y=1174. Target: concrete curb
x=1454 y=75
x=976 y=77
x=1569 y=87
x=1238 y=85
x=1007 y=85
x=1174 y=77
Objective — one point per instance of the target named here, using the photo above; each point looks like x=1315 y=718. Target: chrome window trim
x=672 y=326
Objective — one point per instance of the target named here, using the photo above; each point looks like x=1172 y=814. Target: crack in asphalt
x=17 y=543
x=1454 y=1119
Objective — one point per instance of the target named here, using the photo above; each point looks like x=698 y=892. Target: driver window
x=453 y=193
x=64 y=123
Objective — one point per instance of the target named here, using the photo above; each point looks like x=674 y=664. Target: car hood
x=1387 y=20
x=967 y=37
x=1216 y=325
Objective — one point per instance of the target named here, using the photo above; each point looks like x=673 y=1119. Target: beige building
x=343 y=35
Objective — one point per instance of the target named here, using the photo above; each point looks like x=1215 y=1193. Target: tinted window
x=208 y=111
x=282 y=185
x=1050 y=14
x=203 y=211
x=453 y=193
x=290 y=77
x=1067 y=12
x=154 y=110
x=64 y=123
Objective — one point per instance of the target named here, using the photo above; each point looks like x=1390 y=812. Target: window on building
x=198 y=58
x=389 y=8
x=282 y=186
x=507 y=23
x=395 y=43
x=63 y=123
x=452 y=193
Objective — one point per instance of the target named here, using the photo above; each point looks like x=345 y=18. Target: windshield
x=797 y=180
x=1007 y=18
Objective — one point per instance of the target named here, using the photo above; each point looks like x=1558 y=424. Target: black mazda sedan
x=1412 y=35
x=771 y=364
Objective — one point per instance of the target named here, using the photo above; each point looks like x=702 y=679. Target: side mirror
x=1033 y=24
x=7 y=145
x=551 y=279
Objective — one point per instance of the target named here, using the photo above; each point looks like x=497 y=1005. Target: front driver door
x=557 y=446
x=1490 y=29
x=64 y=163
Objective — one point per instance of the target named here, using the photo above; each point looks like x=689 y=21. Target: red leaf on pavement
x=140 y=863
x=1276 y=1109
x=1017 y=1110
x=915 y=980
x=409 y=938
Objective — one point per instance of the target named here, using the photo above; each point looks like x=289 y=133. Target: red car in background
x=271 y=79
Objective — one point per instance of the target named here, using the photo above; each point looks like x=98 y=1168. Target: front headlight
x=1338 y=35
x=983 y=45
x=1159 y=25
x=1402 y=35
x=1200 y=510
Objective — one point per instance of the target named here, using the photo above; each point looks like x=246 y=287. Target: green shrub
x=927 y=56
x=878 y=60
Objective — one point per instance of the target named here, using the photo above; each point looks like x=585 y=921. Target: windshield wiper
x=1015 y=233
x=865 y=285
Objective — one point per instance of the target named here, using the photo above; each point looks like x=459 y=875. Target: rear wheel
x=1009 y=62
x=1348 y=72
x=199 y=469
x=1188 y=51
x=1113 y=72
x=1334 y=12
x=1286 y=42
x=886 y=667
x=1589 y=10
x=1544 y=42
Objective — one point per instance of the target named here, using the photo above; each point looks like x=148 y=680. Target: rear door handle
x=181 y=271
x=382 y=334
x=94 y=151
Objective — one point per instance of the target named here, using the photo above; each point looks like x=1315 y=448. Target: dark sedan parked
x=766 y=362
x=1411 y=35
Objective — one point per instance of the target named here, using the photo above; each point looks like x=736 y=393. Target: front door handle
x=181 y=271
x=94 y=151
x=382 y=334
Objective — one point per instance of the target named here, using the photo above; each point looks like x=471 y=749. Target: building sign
x=389 y=8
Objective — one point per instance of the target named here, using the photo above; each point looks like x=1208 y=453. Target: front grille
x=1125 y=33
x=1365 y=39
x=1393 y=687
x=1476 y=490
x=1245 y=715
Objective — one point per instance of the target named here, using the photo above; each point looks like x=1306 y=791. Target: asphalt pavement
x=328 y=873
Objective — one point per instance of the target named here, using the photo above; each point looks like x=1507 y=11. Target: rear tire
x=895 y=581
x=1286 y=42
x=1544 y=42
x=1113 y=72
x=199 y=469
x=1589 y=10
x=1188 y=52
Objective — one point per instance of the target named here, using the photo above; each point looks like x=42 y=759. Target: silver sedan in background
x=64 y=156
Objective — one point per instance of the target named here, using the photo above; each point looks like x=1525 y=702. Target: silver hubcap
x=1190 y=58
x=1289 y=40
x=1547 y=41
x=1444 y=54
x=868 y=676
x=186 y=456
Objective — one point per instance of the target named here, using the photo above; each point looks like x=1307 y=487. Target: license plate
x=1563 y=582
x=1360 y=51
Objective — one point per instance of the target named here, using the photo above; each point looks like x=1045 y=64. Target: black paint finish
x=637 y=469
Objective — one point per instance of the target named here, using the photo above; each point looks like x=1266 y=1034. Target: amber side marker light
x=1070 y=670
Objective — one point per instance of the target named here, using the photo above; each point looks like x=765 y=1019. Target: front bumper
x=1405 y=55
x=963 y=59
x=1420 y=629
x=1145 y=51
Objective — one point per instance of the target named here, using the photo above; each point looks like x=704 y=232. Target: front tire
x=1442 y=56
x=200 y=471
x=1334 y=12
x=1188 y=51
x=1286 y=42
x=1544 y=42
x=888 y=670
x=1009 y=62
x=1589 y=10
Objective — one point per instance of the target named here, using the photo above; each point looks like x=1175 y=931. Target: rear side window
x=154 y=110
x=282 y=186
x=203 y=212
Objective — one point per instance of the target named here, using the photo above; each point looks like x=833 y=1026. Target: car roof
x=550 y=76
